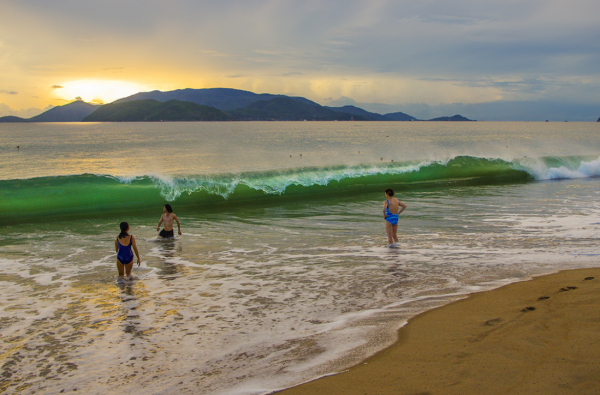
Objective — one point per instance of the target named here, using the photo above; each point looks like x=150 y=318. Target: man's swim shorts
x=167 y=234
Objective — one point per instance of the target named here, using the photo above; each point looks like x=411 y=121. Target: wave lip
x=279 y=182
x=96 y=195
x=273 y=182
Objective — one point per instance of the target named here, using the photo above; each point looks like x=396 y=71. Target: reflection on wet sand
x=130 y=305
x=170 y=268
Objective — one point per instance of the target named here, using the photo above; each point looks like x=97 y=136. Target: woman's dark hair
x=124 y=226
x=389 y=191
x=169 y=208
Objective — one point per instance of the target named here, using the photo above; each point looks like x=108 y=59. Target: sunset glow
x=422 y=58
x=96 y=91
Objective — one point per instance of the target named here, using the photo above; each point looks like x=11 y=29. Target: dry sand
x=534 y=337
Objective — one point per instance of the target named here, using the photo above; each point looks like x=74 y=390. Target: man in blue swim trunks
x=392 y=208
x=168 y=217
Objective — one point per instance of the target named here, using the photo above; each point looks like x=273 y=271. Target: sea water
x=281 y=274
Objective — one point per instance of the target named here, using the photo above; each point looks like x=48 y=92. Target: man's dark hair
x=169 y=208
x=389 y=191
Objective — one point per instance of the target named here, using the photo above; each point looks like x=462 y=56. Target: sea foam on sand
x=538 y=336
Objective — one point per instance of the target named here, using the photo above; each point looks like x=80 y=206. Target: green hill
x=370 y=116
x=72 y=112
x=153 y=111
x=225 y=99
x=454 y=118
x=399 y=116
x=12 y=119
x=287 y=109
x=373 y=116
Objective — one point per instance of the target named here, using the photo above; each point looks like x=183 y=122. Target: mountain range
x=373 y=116
x=215 y=104
x=287 y=109
x=224 y=99
x=72 y=112
x=150 y=110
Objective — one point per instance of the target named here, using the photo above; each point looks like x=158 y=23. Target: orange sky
x=380 y=51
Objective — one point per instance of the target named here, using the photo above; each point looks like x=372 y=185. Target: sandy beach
x=533 y=337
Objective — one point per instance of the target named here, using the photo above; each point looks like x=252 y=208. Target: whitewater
x=281 y=274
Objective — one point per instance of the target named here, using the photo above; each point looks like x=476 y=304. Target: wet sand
x=533 y=337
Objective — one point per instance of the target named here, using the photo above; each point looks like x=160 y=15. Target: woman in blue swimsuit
x=392 y=208
x=123 y=245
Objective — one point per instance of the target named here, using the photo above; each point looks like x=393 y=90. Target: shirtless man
x=168 y=218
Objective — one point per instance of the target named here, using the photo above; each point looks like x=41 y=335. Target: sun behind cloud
x=97 y=91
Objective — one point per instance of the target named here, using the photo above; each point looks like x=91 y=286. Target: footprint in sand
x=493 y=322
x=544 y=297
x=526 y=309
x=589 y=278
x=567 y=289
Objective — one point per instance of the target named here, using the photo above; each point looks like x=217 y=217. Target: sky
x=429 y=56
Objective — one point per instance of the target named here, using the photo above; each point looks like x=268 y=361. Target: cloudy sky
x=404 y=54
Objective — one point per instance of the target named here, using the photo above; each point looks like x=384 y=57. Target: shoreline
x=536 y=336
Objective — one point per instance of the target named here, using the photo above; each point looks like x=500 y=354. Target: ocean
x=281 y=274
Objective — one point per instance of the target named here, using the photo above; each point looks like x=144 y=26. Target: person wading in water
x=168 y=217
x=392 y=208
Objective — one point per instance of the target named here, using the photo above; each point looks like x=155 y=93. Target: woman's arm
x=116 y=246
x=135 y=249
x=402 y=205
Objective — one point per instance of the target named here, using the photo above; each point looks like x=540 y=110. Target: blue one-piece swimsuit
x=125 y=254
x=389 y=217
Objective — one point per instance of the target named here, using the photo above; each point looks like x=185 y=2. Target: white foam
x=540 y=171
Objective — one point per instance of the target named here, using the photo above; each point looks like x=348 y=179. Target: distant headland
x=214 y=104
